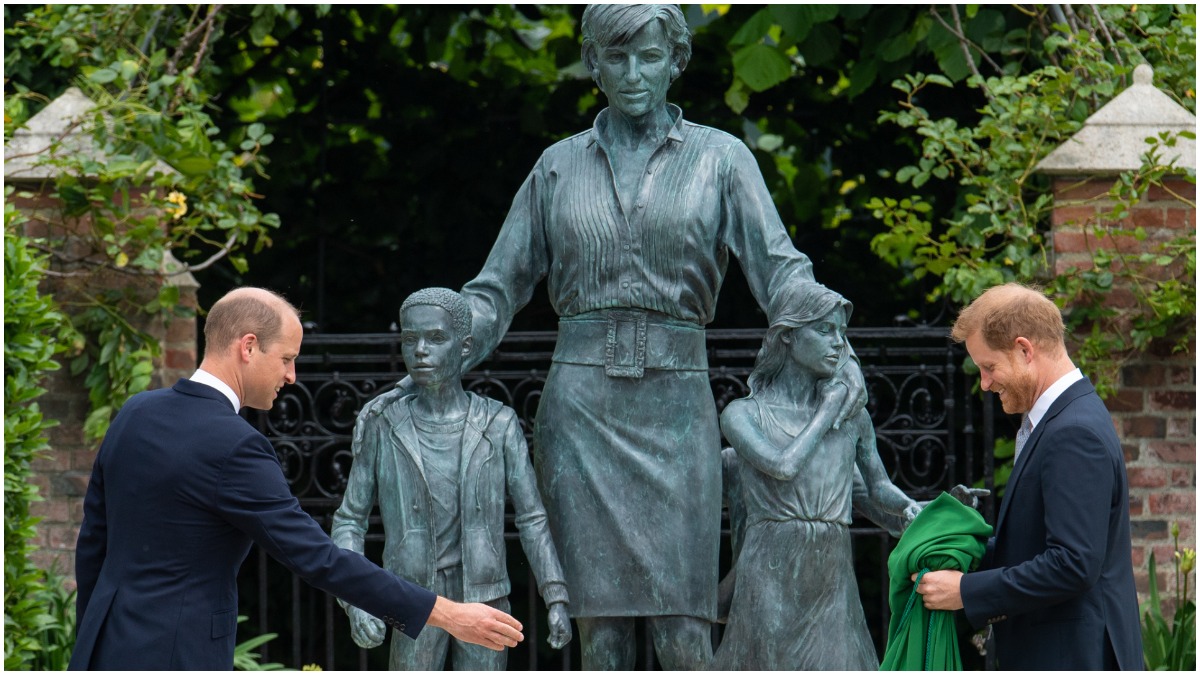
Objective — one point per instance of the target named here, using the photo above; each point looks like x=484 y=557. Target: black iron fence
x=930 y=425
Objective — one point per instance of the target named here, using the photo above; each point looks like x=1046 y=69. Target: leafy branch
x=995 y=231
x=162 y=182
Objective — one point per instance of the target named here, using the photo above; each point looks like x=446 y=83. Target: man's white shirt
x=205 y=377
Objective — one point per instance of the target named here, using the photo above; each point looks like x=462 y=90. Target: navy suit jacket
x=181 y=487
x=1057 y=580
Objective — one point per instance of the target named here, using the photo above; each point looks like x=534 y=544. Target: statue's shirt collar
x=600 y=133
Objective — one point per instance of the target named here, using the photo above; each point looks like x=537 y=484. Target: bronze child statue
x=795 y=600
x=439 y=462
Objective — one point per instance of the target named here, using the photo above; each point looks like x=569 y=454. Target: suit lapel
x=1081 y=388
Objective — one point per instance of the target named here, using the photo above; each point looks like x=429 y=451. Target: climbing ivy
x=35 y=332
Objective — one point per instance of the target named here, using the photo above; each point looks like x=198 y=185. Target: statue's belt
x=627 y=342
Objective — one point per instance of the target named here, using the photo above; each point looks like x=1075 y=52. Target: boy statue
x=438 y=462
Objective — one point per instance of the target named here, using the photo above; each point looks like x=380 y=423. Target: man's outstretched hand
x=476 y=623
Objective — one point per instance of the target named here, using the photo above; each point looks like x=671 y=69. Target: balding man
x=1057 y=579
x=181 y=488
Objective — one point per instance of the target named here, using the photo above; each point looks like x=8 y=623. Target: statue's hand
x=969 y=496
x=833 y=393
x=856 y=386
x=560 y=626
x=366 y=630
x=910 y=513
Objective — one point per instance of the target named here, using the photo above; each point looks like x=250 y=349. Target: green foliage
x=55 y=635
x=992 y=236
x=34 y=333
x=47 y=645
x=994 y=230
x=244 y=656
x=1171 y=645
x=162 y=178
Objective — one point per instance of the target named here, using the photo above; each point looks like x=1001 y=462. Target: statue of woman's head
x=795 y=305
x=607 y=25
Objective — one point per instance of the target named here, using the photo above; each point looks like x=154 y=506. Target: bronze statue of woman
x=632 y=224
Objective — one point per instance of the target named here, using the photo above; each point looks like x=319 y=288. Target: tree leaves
x=993 y=232
x=760 y=66
x=797 y=20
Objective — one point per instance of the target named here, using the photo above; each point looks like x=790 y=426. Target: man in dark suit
x=181 y=488
x=1056 y=583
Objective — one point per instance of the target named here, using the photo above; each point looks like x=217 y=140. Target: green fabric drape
x=945 y=535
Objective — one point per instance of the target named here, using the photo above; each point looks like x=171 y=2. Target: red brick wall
x=1154 y=409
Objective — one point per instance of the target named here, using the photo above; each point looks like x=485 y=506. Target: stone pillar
x=62 y=475
x=1154 y=409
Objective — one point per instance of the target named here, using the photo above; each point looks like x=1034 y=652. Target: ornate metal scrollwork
x=909 y=387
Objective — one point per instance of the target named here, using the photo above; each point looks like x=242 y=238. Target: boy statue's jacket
x=388 y=470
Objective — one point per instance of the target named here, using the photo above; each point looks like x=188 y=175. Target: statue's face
x=433 y=352
x=635 y=76
x=818 y=346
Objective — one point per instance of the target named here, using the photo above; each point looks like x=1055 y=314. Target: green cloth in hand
x=945 y=535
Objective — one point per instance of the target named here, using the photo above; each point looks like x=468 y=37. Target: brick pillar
x=1154 y=408
x=62 y=475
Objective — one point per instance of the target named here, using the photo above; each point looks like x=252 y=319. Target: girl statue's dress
x=796 y=603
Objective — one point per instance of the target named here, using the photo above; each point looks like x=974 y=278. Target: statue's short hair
x=454 y=304
x=1009 y=311
x=607 y=25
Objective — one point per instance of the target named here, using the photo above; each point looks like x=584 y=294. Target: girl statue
x=795 y=602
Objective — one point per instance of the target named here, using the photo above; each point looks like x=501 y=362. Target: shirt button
x=626 y=247
x=624 y=284
x=641 y=205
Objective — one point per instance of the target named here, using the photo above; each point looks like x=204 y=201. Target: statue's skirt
x=630 y=472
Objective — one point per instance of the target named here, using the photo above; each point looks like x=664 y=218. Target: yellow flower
x=312 y=666
x=180 y=201
x=1187 y=561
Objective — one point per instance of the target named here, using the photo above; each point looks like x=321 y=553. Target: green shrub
x=244 y=656
x=34 y=333
x=55 y=636
x=1171 y=645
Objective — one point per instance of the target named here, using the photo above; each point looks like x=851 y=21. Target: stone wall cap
x=61 y=122
x=1113 y=139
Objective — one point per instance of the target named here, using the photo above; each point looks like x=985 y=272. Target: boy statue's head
x=435 y=335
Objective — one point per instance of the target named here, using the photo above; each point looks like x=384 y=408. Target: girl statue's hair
x=796 y=303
